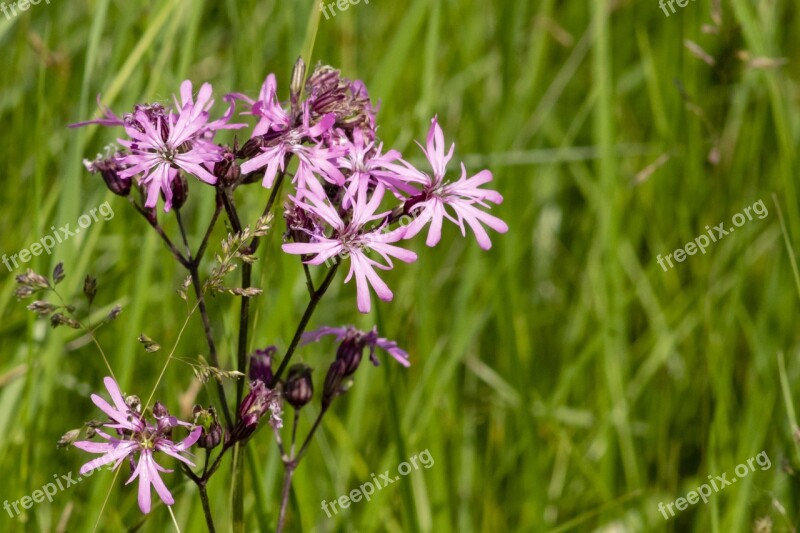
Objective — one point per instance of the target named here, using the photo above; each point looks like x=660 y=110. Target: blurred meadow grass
x=561 y=381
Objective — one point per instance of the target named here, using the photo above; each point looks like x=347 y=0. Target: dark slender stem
x=294 y=429
x=156 y=226
x=301 y=327
x=217 y=461
x=183 y=234
x=202 y=249
x=279 y=440
x=206 y=507
x=201 y=486
x=244 y=319
x=309 y=281
x=230 y=210
x=311 y=432
x=244 y=309
x=205 y=463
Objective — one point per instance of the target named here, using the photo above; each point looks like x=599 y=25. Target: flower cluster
x=341 y=182
x=350 y=200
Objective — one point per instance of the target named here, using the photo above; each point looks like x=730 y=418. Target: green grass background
x=561 y=381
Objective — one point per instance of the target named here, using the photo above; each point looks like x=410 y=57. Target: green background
x=561 y=380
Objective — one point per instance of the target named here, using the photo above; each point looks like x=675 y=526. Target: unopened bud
x=109 y=169
x=261 y=365
x=333 y=382
x=298 y=75
x=350 y=352
x=299 y=388
x=227 y=170
x=180 y=190
x=211 y=434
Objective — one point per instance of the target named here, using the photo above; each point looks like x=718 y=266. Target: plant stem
x=206 y=507
x=311 y=432
x=156 y=226
x=201 y=251
x=183 y=234
x=290 y=464
x=301 y=327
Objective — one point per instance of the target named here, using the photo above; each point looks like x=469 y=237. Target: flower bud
x=227 y=170
x=350 y=352
x=160 y=411
x=180 y=190
x=298 y=75
x=333 y=382
x=109 y=169
x=165 y=421
x=299 y=388
x=211 y=434
x=261 y=364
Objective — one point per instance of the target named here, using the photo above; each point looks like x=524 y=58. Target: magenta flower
x=352 y=338
x=110 y=119
x=461 y=196
x=162 y=148
x=366 y=165
x=272 y=116
x=312 y=159
x=138 y=437
x=352 y=239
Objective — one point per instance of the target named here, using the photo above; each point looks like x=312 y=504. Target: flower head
x=162 y=143
x=463 y=197
x=352 y=239
x=312 y=159
x=138 y=440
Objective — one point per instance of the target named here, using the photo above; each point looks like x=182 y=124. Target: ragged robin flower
x=138 y=440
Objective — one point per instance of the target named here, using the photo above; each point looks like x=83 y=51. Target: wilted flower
x=258 y=402
x=328 y=92
x=139 y=438
x=353 y=341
